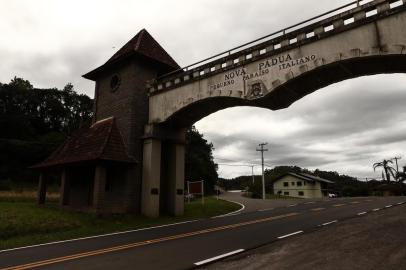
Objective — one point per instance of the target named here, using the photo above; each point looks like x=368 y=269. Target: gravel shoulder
x=374 y=241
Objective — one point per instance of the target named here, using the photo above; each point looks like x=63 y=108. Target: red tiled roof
x=305 y=176
x=102 y=141
x=142 y=44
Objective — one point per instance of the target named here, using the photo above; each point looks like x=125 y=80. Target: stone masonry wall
x=129 y=105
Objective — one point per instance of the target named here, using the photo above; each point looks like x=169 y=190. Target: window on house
x=300 y=193
x=304 y=183
x=285 y=184
x=286 y=193
x=293 y=183
x=299 y=184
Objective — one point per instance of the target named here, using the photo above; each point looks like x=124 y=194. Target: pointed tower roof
x=102 y=141
x=142 y=44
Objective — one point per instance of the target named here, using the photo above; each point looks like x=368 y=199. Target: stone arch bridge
x=153 y=100
x=363 y=40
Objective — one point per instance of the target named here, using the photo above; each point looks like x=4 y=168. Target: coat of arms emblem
x=256 y=89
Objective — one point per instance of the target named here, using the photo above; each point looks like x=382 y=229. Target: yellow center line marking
x=142 y=243
x=338 y=205
x=318 y=209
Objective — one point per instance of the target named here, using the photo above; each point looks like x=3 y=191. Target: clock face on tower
x=115 y=82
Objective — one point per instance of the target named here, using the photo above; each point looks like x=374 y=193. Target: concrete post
x=176 y=178
x=319 y=31
x=383 y=7
x=338 y=23
x=301 y=36
x=99 y=187
x=360 y=15
x=42 y=189
x=285 y=43
x=64 y=190
x=151 y=177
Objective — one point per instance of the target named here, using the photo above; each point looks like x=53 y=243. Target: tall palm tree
x=402 y=175
x=387 y=169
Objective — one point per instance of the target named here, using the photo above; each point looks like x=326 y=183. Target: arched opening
x=345 y=127
x=169 y=131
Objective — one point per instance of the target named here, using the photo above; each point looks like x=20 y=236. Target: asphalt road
x=196 y=243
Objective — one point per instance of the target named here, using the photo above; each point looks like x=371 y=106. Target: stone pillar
x=176 y=178
x=64 y=190
x=42 y=189
x=151 y=177
x=99 y=187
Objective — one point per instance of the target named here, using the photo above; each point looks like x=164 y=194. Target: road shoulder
x=373 y=241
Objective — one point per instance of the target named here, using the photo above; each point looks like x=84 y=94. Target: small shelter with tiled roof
x=101 y=167
x=101 y=142
x=90 y=161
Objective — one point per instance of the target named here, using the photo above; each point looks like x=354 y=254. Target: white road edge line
x=267 y=209
x=399 y=203
x=328 y=223
x=292 y=205
x=309 y=202
x=232 y=213
x=388 y=206
x=219 y=257
x=376 y=209
x=362 y=213
x=98 y=236
x=291 y=234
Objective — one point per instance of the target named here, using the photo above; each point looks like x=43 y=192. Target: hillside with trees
x=33 y=122
x=344 y=185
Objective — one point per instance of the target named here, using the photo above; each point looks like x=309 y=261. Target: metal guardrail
x=318 y=25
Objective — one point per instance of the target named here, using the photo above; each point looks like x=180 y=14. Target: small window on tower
x=115 y=82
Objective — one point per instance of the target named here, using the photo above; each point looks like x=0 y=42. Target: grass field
x=22 y=222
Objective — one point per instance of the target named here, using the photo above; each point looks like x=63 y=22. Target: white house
x=301 y=185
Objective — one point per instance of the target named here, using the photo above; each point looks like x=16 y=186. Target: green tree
x=402 y=175
x=33 y=122
x=387 y=169
x=199 y=163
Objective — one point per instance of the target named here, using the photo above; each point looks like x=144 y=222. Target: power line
x=236 y=165
x=225 y=159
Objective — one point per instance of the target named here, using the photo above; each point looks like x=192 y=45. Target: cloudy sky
x=344 y=127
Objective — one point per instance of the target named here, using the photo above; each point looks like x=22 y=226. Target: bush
x=256 y=190
x=5 y=185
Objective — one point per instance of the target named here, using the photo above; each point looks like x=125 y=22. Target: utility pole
x=262 y=150
x=253 y=179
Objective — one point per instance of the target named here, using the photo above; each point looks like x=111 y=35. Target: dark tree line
x=199 y=163
x=344 y=185
x=29 y=113
x=33 y=122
